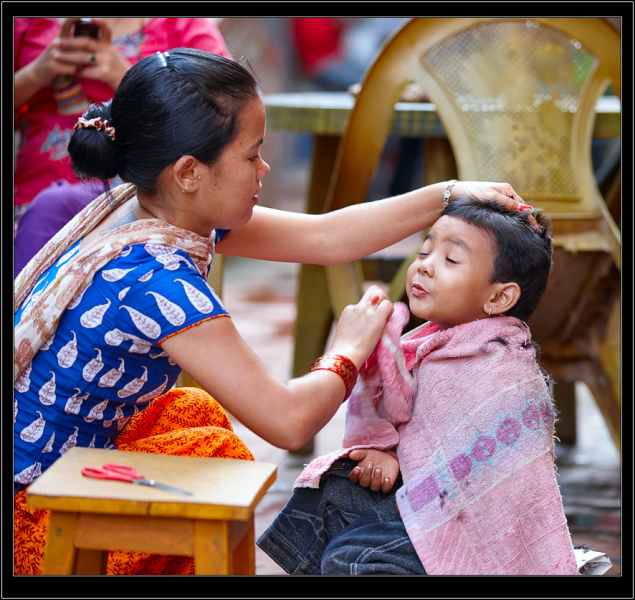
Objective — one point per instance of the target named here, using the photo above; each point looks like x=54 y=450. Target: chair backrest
x=517 y=99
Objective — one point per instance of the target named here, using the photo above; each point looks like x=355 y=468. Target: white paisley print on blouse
x=146 y=325
x=47 y=391
x=68 y=353
x=199 y=300
x=93 y=317
x=113 y=376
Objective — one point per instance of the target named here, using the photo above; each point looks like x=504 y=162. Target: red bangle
x=339 y=364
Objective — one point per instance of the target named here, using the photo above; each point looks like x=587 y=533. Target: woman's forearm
x=355 y=231
x=361 y=229
x=286 y=414
x=336 y=237
x=25 y=85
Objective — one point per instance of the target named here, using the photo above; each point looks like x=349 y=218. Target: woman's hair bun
x=94 y=152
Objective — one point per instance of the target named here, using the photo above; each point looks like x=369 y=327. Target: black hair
x=522 y=254
x=184 y=101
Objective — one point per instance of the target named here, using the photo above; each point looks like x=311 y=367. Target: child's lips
x=418 y=291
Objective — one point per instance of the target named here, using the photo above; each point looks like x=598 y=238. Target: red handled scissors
x=129 y=474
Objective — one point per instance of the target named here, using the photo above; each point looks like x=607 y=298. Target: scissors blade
x=167 y=488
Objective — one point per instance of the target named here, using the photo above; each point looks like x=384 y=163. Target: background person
x=45 y=50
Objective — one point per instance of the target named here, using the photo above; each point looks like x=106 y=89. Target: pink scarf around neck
x=473 y=421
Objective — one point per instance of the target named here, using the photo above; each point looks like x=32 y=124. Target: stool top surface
x=222 y=488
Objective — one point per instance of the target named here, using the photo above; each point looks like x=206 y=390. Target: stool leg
x=60 y=552
x=212 y=555
x=91 y=562
x=245 y=551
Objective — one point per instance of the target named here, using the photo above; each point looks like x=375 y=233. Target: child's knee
x=338 y=561
x=376 y=548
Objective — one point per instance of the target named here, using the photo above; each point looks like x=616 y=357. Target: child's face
x=448 y=283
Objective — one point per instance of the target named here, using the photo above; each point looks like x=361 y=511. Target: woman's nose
x=264 y=169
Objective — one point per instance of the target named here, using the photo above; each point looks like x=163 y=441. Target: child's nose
x=425 y=266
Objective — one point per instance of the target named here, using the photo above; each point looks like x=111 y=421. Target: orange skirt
x=185 y=422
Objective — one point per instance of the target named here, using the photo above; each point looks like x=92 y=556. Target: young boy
x=464 y=404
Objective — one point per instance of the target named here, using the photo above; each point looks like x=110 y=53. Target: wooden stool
x=89 y=517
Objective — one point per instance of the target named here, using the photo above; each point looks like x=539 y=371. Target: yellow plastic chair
x=517 y=100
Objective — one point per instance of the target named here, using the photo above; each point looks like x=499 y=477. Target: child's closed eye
x=451 y=261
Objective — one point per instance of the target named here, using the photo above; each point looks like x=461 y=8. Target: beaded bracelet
x=339 y=364
x=447 y=191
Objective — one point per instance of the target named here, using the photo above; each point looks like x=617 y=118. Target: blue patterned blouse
x=104 y=363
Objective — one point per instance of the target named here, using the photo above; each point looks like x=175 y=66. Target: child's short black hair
x=523 y=255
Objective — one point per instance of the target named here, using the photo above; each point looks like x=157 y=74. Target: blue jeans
x=341 y=528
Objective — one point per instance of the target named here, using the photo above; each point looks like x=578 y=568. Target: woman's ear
x=504 y=297
x=184 y=174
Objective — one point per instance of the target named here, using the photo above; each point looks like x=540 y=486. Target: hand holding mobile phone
x=86 y=28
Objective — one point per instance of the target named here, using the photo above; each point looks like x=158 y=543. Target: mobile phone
x=86 y=28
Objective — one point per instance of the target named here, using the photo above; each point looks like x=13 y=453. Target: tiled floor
x=260 y=298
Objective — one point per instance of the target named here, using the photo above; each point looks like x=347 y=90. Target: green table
x=326 y=114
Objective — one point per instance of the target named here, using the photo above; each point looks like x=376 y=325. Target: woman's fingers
x=360 y=325
x=377 y=298
x=375 y=295
x=504 y=194
x=508 y=191
x=510 y=199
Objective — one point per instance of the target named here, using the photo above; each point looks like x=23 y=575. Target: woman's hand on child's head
x=503 y=193
x=360 y=325
x=376 y=468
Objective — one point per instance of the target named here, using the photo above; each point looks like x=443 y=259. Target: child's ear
x=503 y=299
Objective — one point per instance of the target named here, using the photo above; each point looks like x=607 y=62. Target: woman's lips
x=258 y=192
x=418 y=291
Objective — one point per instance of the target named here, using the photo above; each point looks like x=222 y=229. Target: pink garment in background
x=42 y=157
x=474 y=432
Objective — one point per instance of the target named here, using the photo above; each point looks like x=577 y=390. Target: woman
x=111 y=310
x=57 y=74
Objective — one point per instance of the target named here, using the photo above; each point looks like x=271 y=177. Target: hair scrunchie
x=96 y=123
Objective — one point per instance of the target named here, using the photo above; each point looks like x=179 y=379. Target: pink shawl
x=474 y=433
